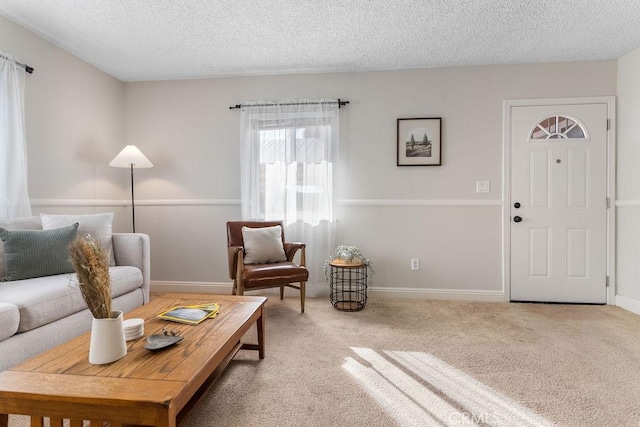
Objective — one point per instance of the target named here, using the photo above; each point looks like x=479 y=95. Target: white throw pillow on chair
x=263 y=245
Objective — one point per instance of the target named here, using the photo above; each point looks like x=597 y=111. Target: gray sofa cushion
x=43 y=300
x=9 y=320
x=37 y=253
x=26 y=223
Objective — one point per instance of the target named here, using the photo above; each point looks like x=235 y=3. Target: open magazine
x=191 y=314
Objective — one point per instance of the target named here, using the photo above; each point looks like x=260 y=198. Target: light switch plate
x=483 y=186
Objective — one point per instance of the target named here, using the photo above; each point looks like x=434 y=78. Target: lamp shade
x=130 y=155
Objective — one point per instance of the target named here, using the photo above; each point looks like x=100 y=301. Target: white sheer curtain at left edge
x=288 y=154
x=14 y=196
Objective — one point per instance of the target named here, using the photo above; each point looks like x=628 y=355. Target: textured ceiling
x=171 y=39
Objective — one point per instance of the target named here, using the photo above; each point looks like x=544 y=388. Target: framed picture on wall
x=419 y=142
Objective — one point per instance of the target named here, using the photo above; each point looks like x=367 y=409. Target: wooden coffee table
x=151 y=388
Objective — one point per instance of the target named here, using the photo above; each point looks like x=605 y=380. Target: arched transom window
x=558 y=127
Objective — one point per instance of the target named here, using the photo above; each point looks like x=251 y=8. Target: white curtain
x=14 y=197
x=288 y=154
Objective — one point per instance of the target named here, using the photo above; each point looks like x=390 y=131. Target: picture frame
x=419 y=141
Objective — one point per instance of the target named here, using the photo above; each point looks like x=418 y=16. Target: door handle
x=517 y=219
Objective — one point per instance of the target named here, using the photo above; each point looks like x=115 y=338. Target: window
x=288 y=157
x=295 y=175
x=290 y=150
x=558 y=127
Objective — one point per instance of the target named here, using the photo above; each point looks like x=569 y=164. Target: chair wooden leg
x=303 y=286
x=235 y=284
x=281 y=292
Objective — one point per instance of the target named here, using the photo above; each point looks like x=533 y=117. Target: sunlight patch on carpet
x=435 y=393
x=399 y=395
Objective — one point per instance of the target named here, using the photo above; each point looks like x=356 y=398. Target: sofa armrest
x=134 y=249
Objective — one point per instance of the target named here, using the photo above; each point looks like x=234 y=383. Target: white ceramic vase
x=107 y=339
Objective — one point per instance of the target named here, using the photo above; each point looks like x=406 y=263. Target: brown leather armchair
x=262 y=276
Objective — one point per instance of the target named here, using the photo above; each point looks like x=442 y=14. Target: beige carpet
x=421 y=363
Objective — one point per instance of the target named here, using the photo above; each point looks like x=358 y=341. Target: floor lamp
x=131 y=157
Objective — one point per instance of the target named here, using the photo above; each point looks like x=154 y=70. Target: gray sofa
x=39 y=313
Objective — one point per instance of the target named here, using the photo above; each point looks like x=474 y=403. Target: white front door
x=558 y=201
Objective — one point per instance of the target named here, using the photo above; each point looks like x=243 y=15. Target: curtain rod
x=27 y=68
x=339 y=102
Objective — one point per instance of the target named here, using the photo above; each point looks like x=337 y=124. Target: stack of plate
x=133 y=328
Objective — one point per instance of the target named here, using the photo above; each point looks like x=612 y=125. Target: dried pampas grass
x=91 y=264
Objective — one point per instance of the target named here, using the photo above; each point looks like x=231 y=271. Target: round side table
x=348 y=282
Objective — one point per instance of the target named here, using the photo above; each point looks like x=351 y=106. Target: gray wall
x=74 y=120
x=628 y=183
x=78 y=119
x=392 y=213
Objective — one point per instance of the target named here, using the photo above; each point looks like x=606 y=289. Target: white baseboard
x=439 y=294
x=216 y=288
x=322 y=290
x=220 y=288
x=628 y=304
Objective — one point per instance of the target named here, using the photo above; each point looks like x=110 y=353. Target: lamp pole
x=133 y=205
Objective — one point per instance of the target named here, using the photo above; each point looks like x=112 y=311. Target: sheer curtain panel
x=14 y=197
x=288 y=157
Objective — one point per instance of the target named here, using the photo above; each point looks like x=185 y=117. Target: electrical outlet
x=415 y=264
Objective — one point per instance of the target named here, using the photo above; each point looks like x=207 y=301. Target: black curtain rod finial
x=27 y=68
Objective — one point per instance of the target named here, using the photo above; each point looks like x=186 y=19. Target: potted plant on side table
x=350 y=255
x=346 y=270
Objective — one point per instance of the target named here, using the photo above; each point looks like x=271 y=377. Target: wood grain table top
x=167 y=377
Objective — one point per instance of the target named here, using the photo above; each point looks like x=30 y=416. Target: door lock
x=516 y=205
x=517 y=219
